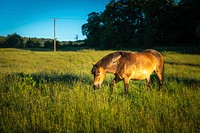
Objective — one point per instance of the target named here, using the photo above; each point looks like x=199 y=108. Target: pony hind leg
x=160 y=74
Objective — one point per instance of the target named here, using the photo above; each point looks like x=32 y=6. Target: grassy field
x=52 y=92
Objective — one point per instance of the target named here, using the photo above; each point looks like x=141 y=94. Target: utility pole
x=54 y=48
x=54 y=42
x=54 y=19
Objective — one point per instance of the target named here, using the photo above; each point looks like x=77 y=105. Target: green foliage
x=2 y=40
x=143 y=23
x=52 y=92
x=93 y=29
x=32 y=43
x=48 y=44
x=13 y=40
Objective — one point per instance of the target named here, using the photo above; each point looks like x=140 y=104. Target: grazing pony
x=126 y=66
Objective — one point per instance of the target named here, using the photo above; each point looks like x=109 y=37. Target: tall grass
x=52 y=92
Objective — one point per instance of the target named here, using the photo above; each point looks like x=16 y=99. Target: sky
x=34 y=18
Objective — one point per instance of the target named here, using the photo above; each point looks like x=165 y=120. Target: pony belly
x=140 y=75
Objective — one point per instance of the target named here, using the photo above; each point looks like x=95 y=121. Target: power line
x=54 y=19
x=71 y=18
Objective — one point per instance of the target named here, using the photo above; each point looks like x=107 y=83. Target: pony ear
x=93 y=64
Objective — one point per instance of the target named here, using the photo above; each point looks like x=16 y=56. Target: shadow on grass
x=185 y=81
x=72 y=78
x=179 y=80
x=38 y=78
x=182 y=64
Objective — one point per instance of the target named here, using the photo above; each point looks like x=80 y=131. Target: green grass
x=52 y=92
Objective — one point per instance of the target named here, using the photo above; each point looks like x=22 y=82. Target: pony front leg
x=148 y=80
x=112 y=84
x=114 y=81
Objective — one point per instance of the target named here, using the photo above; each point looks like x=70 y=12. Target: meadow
x=43 y=91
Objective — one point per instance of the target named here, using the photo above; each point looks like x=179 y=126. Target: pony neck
x=109 y=62
x=110 y=67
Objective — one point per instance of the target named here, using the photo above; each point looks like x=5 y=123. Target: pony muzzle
x=97 y=86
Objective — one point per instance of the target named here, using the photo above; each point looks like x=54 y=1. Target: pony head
x=99 y=74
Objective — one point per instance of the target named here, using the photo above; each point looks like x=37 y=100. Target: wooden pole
x=54 y=34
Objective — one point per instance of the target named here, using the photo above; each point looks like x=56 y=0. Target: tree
x=92 y=29
x=114 y=27
x=2 y=41
x=159 y=20
x=198 y=32
x=48 y=44
x=189 y=19
x=144 y=23
x=117 y=25
x=13 y=40
x=123 y=22
x=34 y=43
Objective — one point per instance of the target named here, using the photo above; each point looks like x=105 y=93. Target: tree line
x=15 y=40
x=144 y=23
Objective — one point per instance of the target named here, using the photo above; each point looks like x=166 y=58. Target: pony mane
x=110 y=58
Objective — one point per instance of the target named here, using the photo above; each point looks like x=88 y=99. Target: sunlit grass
x=52 y=92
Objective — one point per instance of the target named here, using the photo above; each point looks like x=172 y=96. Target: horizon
x=24 y=37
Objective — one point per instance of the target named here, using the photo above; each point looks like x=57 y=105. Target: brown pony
x=126 y=66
